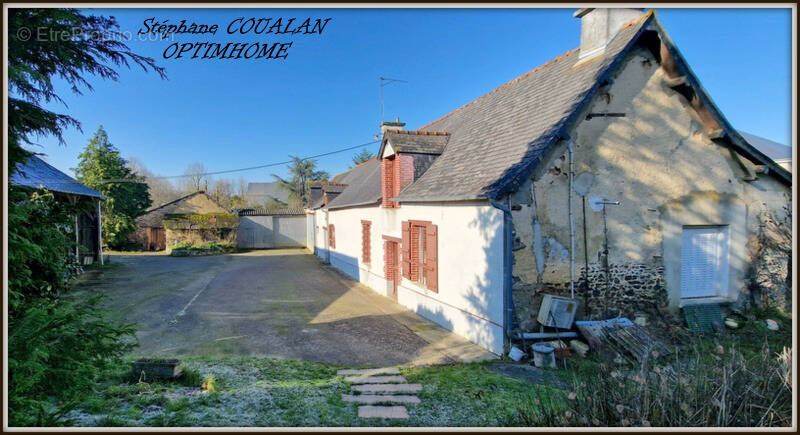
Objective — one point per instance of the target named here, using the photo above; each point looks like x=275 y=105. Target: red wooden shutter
x=406 y=249
x=431 y=257
x=365 y=241
x=415 y=249
x=331 y=236
x=387 y=255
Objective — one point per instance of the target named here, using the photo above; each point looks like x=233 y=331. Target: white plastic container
x=543 y=356
x=516 y=354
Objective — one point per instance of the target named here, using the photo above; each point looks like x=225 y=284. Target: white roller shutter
x=704 y=261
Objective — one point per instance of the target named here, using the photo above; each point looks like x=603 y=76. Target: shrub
x=699 y=387
x=40 y=242
x=57 y=349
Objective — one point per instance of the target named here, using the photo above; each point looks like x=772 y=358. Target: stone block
x=387 y=388
x=372 y=399
x=370 y=372
x=368 y=411
x=375 y=379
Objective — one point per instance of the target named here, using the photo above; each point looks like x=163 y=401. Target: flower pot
x=155 y=368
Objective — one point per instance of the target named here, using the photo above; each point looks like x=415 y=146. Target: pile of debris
x=617 y=339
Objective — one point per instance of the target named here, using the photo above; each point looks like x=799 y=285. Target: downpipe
x=507 y=259
x=570 y=148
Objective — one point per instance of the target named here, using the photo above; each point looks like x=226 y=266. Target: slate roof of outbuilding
x=37 y=173
x=421 y=142
x=497 y=139
x=364 y=187
x=773 y=150
x=154 y=216
x=273 y=212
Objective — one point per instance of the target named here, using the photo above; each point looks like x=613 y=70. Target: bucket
x=543 y=356
x=516 y=354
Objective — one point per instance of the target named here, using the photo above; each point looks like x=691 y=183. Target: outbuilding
x=150 y=231
x=35 y=173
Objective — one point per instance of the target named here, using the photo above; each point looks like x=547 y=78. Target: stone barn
x=150 y=231
x=200 y=228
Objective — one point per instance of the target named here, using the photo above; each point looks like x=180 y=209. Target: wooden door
x=156 y=239
x=392 y=267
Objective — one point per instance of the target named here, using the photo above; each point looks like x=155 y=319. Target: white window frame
x=723 y=263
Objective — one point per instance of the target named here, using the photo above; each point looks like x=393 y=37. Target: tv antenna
x=384 y=82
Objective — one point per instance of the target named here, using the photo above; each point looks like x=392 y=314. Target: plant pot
x=157 y=368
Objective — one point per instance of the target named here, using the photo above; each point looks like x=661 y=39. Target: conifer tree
x=103 y=169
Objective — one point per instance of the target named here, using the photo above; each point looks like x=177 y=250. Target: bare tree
x=161 y=190
x=195 y=178
x=222 y=191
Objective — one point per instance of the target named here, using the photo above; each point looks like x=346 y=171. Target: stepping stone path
x=379 y=390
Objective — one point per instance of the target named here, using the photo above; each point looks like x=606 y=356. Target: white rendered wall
x=470 y=297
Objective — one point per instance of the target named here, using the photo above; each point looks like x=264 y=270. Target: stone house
x=607 y=174
x=35 y=173
x=150 y=231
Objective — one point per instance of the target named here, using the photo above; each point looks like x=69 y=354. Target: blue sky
x=236 y=113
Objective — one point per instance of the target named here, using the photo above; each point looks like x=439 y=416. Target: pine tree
x=103 y=169
x=302 y=172
x=361 y=157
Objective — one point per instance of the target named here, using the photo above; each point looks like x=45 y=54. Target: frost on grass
x=254 y=391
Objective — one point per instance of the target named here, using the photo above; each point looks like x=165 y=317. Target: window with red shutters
x=365 y=241
x=420 y=253
x=331 y=236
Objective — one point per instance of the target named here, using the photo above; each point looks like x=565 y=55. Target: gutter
x=508 y=303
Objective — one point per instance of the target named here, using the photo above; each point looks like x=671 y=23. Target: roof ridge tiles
x=512 y=81
x=421 y=133
x=644 y=16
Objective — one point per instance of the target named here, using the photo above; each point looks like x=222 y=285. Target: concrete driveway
x=279 y=303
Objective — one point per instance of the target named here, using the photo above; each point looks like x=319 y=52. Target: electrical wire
x=229 y=171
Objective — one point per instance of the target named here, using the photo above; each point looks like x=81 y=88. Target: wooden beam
x=674 y=82
x=99 y=234
x=717 y=134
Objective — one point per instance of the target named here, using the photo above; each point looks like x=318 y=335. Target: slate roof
x=334 y=188
x=154 y=216
x=421 y=142
x=495 y=136
x=773 y=150
x=274 y=212
x=364 y=188
x=497 y=139
x=262 y=192
x=37 y=173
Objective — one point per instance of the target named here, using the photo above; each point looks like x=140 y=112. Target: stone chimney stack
x=600 y=25
x=388 y=125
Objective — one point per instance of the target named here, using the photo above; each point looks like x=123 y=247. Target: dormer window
x=405 y=156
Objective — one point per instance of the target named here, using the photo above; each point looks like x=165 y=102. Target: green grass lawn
x=255 y=391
